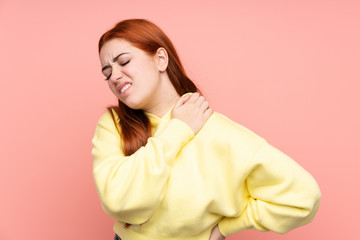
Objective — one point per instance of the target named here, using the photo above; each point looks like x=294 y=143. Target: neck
x=166 y=98
x=162 y=108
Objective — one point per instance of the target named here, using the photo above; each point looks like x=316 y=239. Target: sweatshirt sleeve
x=281 y=195
x=131 y=187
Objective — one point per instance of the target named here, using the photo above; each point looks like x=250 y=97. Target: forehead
x=114 y=47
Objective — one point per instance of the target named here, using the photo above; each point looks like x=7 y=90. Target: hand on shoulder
x=192 y=109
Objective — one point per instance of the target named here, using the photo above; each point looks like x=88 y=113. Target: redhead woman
x=167 y=166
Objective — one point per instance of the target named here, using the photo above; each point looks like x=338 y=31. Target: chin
x=132 y=103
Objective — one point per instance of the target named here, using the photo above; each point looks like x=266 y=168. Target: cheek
x=131 y=71
x=112 y=87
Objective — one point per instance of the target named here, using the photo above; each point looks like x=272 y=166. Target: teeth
x=125 y=87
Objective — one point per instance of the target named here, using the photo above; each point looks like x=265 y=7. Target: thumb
x=182 y=100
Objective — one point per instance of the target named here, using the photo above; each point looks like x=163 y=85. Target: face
x=132 y=74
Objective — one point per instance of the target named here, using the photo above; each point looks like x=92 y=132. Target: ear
x=162 y=59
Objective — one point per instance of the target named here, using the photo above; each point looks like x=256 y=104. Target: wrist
x=218 y=232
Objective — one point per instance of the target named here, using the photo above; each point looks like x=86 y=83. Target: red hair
x=145 y=35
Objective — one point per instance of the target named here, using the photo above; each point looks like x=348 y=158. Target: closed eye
x=108 y=77
x=123 y=64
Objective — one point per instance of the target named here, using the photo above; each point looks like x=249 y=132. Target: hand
x=193 y=110
x=216 y=234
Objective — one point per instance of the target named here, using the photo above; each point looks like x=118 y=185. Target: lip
x=122 y=85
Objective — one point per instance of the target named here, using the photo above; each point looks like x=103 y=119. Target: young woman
x=166 y=166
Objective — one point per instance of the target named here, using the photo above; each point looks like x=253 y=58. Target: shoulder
x=109 y=120
x=109 y=114
x=222 y=127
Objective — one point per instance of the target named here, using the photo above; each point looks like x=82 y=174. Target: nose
x=116 y=74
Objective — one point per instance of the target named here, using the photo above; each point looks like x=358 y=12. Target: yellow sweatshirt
x=180 y=185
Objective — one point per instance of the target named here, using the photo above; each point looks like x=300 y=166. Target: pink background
x=287 y=70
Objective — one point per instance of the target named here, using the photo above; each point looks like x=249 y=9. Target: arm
x=281 y=195
x=132 y=187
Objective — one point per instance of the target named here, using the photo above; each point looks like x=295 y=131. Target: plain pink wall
x=287 y=70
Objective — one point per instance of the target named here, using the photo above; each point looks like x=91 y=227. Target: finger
x=208 y=113
x=194 y=97
x=182 y=100
x=200 y=101
x=204 y=106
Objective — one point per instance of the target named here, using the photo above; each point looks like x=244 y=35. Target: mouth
x=123 y=88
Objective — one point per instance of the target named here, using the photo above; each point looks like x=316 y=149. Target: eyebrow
x=115 y=59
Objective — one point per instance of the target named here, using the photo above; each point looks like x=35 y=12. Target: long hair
x=145 y=35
